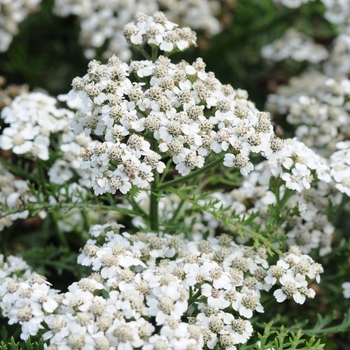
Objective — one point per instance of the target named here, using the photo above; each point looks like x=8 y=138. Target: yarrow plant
x=194 y=219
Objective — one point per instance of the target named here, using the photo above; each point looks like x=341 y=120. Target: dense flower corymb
x=150 y=110
x=145 y=286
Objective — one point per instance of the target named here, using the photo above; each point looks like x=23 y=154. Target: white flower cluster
x=24 y=295
x=337 y=65
x=13 y=12
x=294 y=45
x=38 y=129
x=196 y=293
x=317 y=103
x=157 y=30
x=27 y=302
x=293 y=272
x=340 y=167
x=104 y=20
x=14 y=268
x=318 y=106
x=182 y=111
x=14 y=197
x=298 y=166
x=32 y=118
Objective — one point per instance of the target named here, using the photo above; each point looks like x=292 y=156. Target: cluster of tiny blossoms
x=14 y=198
x=154 y=291
x=104 y=20
x=13 y=12
x=24 y=295
x=317 y=105
x=294 y=45
x=340 y=167
x=317 y=101
x=32 y=118
x=34 y=125
x=170 y=110
x=298 y=166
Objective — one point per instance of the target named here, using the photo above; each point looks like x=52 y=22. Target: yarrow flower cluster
x=102 y=21
x=298 y=166
x=24 y=295
x=35 y=124
x=32 y=118
x=182 y=111
x=294 y=281
x=317 y=105
x=340 y=167
x=196 y=293
x=296 y=46
x=157 y=30
x=13 y=12
x=14 y=198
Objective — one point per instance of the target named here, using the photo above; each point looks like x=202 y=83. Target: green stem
x=136 y=206
x=194 y=298
x=183 y=201
x=144 y=53
x=154 y=53
x=86 y=221
x=153 y=211
x=166 y=170
x=287 y=195
x=177 y=212
x=192 y=175
x=154 y=196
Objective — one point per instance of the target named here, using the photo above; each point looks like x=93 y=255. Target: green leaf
x=13 y=344
x=320 y=329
